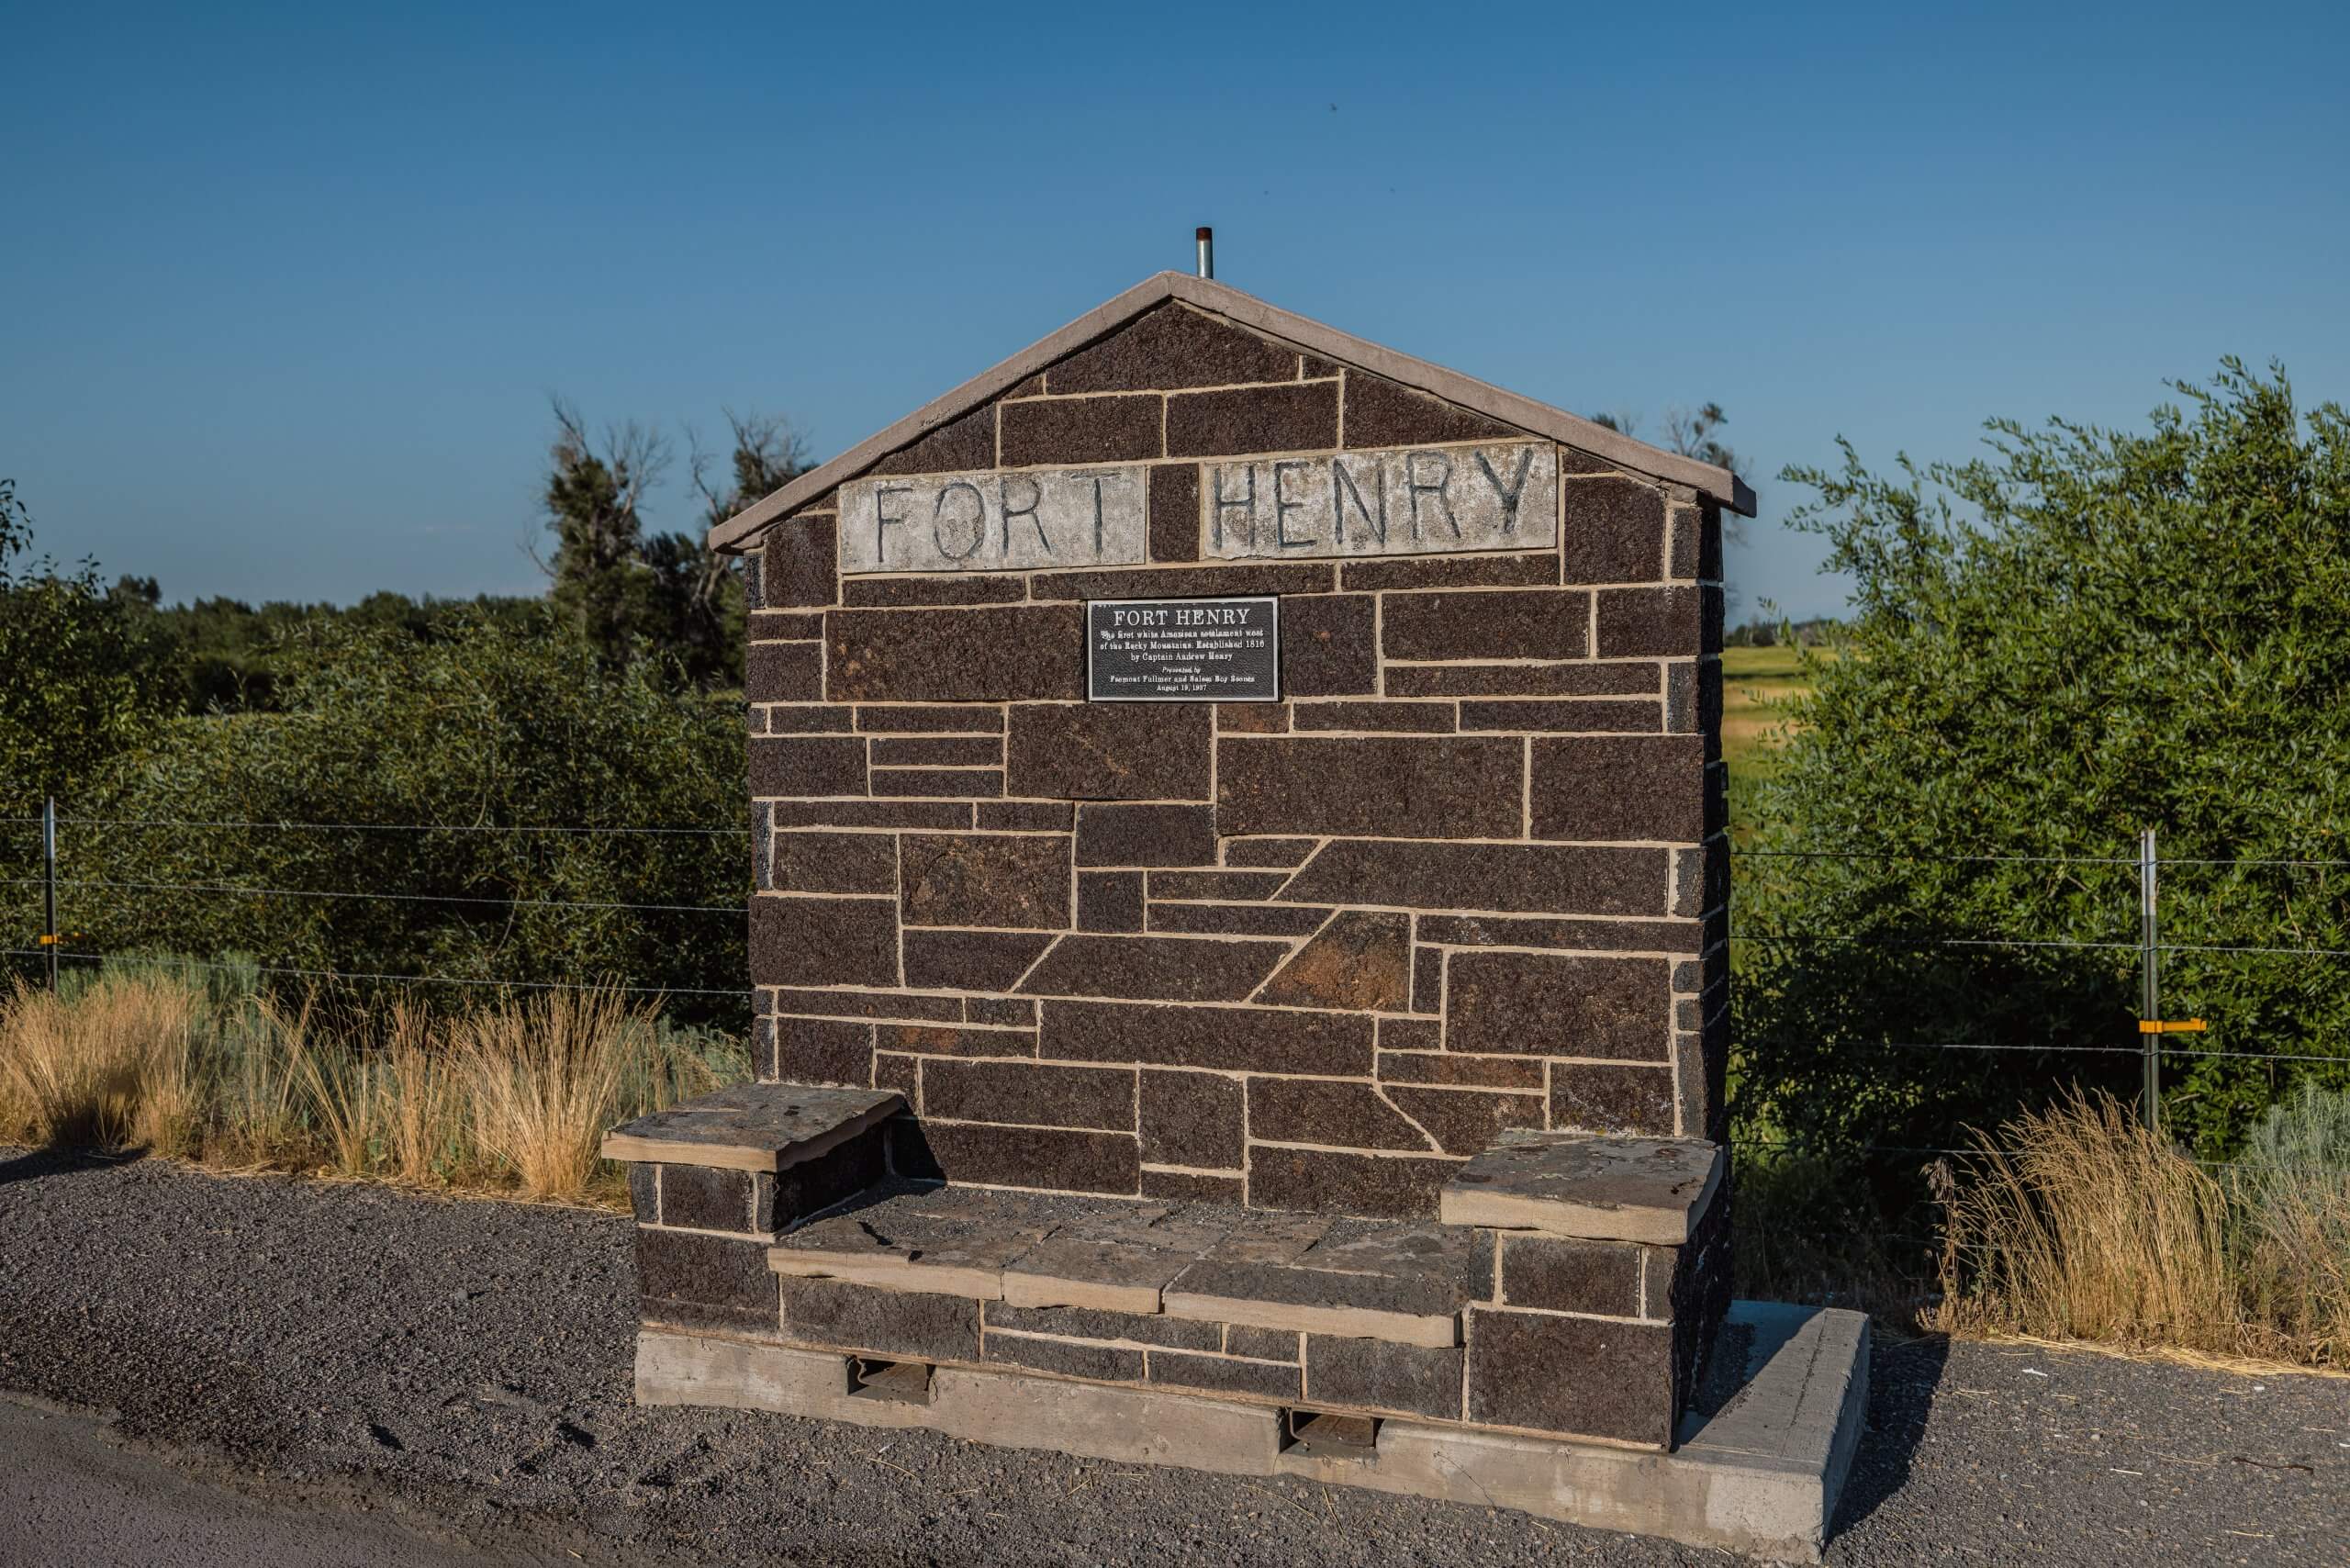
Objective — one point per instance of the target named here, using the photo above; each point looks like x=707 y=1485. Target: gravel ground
x=459 y=1369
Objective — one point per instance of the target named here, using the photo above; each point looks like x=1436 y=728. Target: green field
x=1753 y=680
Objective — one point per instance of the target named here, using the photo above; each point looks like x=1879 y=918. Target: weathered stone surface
x=1170 y=968
x=1615 y=716
x=1231 y=1040
x=1380 y=1186
x=1582 y=1375
x=700 y=1198
x=1594 y=1188
x=1233 y=886
x=1282 y=852
x=903 y=593
x=1452 y=572
x=866 y=1004
x=953 y=1040
x=1597 y=936
x=1420 y=718
x=704 y=1281
x=1035 y=1156
x=1227 y=580
x=1561 y=1275
x=1192 y=1118
x=644 y=1193
x=750 y=1126
x=1381 y=412
x=1169 y=347
x=1000 y=1010
x=1195 y=1187
x=1558 y=1005
x=1451 y=1067
x=1300 y=417
x=1627 y=679
x=965 y=442
x=1223 y=1374
x=995 y=879
x=1427 y=980
x=1405 y=1289
x=835 y=863
x=1110 y=833
x=783 y=672
x=1253 y=718
x=969 y=960
x=1398 y=786
x=1114 y=1328
x=1334 y=1112
x=1618 y=787
x=1328 y=646
x=805 y=719
x=1236 y=919
x=1019 y=653
x=1655 y=620
x=937 y=751
x=1464 y=1122
x=1408 y=501
x=798 y=567
x=1175 y=511
x=1110 y=428
x=1027 y=816
x=1495 y=623
x=916 y=719
x=1112 y=751
x=1410 y=1034
x=1263 y=1344
x=934 y=782
x=1602 y=1098
x=807 y=765
x=1361 y=960
x=1109 y=900
x=1615 y=531
x=824 y=941
x=1101 y=1098
x=1373 y=1374
x=1101 y=1364
x=985 y=521
x=811 y=1186
x=823 y=1050
x=1504 y=877
x=899 y=1323
x=785 y=626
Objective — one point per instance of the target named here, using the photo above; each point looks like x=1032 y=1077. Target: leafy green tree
x=2080 y=634
x=595 y=496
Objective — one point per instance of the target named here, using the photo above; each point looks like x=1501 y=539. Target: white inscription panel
x=1408 y=501
x=995 y=522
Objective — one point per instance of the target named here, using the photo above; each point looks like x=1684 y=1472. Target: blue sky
x=285 y=289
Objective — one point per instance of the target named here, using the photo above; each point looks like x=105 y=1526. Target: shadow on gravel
x=34 y=1164
x=1903 y=1377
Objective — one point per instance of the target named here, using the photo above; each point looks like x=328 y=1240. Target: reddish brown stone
x=1379 y=1186
x=870 y=813
x=956 y=447
x=1225 y=885
x=1404 y=787
x=1019 y=653
x=807 y=765
x=1595 y=1097
x=1192 y=1118
x=1522 y=680
x=1623 y=715
x=1300 y=417
x=1236 y=919
x=902 y=1073
x=1410 y=1034
x=937 y=587
x=1452 y=571
x=1463 y=1120
x=1053 y=1159
x=1004 y=1010
x=1329 y=647
x=799 y=565
x=1109 y=900
x=1499 y=877
x=1425 y=718
x=1373 y=1374
x=1049 y=1096
x=1229 y=1039
x=1114 y=834
x=811 y=718
x=1252 y=718
x=1190 y=1187
x=951 y=1040
x=836 y=863
x=1112 y=751
x=935 y=783
x=1283 y=851
x=785 y=626
x=1080 y=429
x=939 y=751
x=1027 y=816
x=1428 y=1065
x=1330 y=1112
x=821 y=941
x=783 y=672
x=1668 y=621
x=866 y=1004
x=1592 y=935
x=919 y=721
x=970 y=960
x=1361 y=960
x=1427 y=980
x=1498 y=624
x=1174 y=518
x=1615 y=531
x=1619 y=786
x=823 y=1050
x=1223 y=580
x=1381 y=412
x=1558 y=1005
x=998 y=879
x=1559 y=1275
x=1169 y=968
x=1582 y=1375
x=1173 y=346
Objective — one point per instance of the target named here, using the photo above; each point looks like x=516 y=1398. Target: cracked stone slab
x=938 y=1241
x=1591 y=1187
x=1401 y=1283
x=751 y=1127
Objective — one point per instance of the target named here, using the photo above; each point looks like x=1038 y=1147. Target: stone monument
x=1241 y=946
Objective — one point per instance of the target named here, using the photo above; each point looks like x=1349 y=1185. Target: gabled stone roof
x=1718 y=484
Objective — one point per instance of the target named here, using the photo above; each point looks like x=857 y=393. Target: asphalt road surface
x=269 y=1371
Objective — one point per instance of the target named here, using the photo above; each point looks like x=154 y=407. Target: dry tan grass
x=108 y=1067
x=543 y=1080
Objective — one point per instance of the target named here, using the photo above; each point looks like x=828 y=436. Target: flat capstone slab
x=751 y=1127
x=1592 y=1188
x=1402 y=1282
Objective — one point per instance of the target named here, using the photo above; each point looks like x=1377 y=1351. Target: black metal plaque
x=1183 y=650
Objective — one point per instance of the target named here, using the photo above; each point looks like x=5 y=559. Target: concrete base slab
x=1759 y=1467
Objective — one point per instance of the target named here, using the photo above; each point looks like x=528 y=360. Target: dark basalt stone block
x=1619 y=786
x=1452 y=572
x=1222 y=580
x=1504 y=878
x=1416 y=718
x=1234 y=885
x=1523 y=680
x=1501 y=623
x=806 y=719
x=949 y=1041
x=1108 y=900
x=1400 y=787
x=1192 y=1118
x=1173 y=346
x=1574 y=1375
x=1252 y=718
x=1425 y=1064
x=1361 y=960
x=1558 y=1005
x=783 y=672
x=899 y=1323
x=995 y=879
x=699 y=1198
x=906 y=593
x=644 y=1192
x=955 y=447
x=1262 y=1344
x=1331 y=1112
x=1220 y=1375
x=1037 y=1157
x=1000 y=1010
x=933 y=782
x=1427 y=980
x=1377 y=1186
x=1527 y=931
x=937 y=751
x=1174 y=516
x=1112 y=751
x=870 y=813
x=1328 y=646
x=1088 y=1322
x=1236 y=919
x=823 y=1050
x=1103 y=1363
x=1299 y=417
x=813 y=1185
x=785 y=626
x=1373 y=1374
x=807 y=765
x=1010 y=653
x=969 y=960
x=1559 y=1275
x=1228 y=1039
x=1101 y=1098
x=1027 y=816
x=835 y=863
x=1286 y=853
x=1191 y=1187
x=1615 y=531
x=1168 y=968
x=866 y=1004
x=1597 y=1098
x=1618 y=716
x=1381 y=412
x=728 y=1280
x=800 y=562
x=1467 y=1122
x=1667 y=622
x=1118 y=834
x=1114 y=429
x=824 y=941
x=953 y=718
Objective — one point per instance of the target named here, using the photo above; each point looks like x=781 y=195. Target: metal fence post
x=2149 y=1039
x=49 y=885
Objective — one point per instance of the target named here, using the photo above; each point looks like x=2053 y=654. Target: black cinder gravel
x=465 y=1366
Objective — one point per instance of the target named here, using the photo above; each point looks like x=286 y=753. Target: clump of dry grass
x=542 y=1080
x=109 y=1067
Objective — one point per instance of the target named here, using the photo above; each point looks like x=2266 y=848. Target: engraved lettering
x=1097 y=517
x=1282 y=507
x=1341 y=479
x=882 y=518
x=1036 y=497
x=1511 y=492
x=1248 y=501
x=977 y=521
x=1438 y=489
